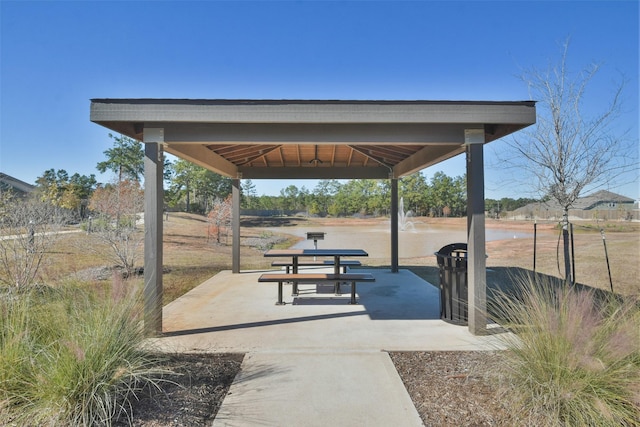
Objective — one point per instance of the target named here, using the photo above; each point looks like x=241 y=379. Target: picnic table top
x=276 y=277
x=315 y=252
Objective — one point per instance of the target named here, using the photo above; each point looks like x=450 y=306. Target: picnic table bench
x=314 y=263
x=316 y=278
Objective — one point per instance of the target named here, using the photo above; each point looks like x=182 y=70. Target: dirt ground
x=447 y=388
x=190 y=396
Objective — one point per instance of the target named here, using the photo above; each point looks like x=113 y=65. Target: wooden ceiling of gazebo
x=307 y=155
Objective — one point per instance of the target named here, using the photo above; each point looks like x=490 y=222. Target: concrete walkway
x=316 y=361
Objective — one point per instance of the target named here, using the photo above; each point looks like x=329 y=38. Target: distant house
x=599 y=205
x=9 y=183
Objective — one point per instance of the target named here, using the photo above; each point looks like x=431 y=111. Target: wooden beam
x=263 y=156
x=310 y=172
x=202 y=156
x=365 y=153
x=312 y=134
x=477 y=264
x=235 y=225
x=428 y=156
x=153 y=209
x=394 y=225
x=199 y=111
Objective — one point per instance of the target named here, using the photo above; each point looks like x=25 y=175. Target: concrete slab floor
x=234 y=313
x=316 y=361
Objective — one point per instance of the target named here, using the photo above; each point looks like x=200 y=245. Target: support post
x=235 y=225
x=394 y=225
x=477 y=271
x=153 y=208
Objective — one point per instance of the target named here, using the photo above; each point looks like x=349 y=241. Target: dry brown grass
x=191 y=257
x=69 y=257
x=623 y=246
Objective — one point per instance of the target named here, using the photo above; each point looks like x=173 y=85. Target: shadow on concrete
x=506 y=279
x=399 y=296
x=258 y=324
x=321 y=301
x=510 y=280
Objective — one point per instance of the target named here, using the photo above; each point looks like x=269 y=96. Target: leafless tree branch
x=567 y=151
x=28 y=228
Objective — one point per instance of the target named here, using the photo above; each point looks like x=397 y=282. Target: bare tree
x=219 y=217
x=117 y=207
x=567 y=152
x=28 y=228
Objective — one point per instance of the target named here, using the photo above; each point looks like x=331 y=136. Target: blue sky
x=56 y=56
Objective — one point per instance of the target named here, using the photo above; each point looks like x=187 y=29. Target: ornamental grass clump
x=575 y=357
x=70 y=358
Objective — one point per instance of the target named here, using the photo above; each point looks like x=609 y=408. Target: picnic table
x=295 y=277
x=295 y=254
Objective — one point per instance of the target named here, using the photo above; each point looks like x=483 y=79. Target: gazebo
x=312 y=139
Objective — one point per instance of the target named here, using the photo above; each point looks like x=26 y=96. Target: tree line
x=441 y=196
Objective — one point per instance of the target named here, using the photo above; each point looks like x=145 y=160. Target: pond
x=421 y=240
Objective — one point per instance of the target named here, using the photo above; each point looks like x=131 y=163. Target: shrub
x=117 y=207
x=575 y=358
x=69 y=358
x=29 y=228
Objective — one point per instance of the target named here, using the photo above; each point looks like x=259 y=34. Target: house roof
x=602 y=196
x=584 y=203
x=10 y=183
x=316 y=139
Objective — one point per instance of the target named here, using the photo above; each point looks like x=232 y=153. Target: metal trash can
x=452 y=262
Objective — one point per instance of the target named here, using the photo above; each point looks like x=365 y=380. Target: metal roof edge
x=189 y=101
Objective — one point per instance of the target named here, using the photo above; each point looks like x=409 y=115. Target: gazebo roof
x=316 y=139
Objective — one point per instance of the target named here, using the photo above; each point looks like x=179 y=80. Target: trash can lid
x=452 y=247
